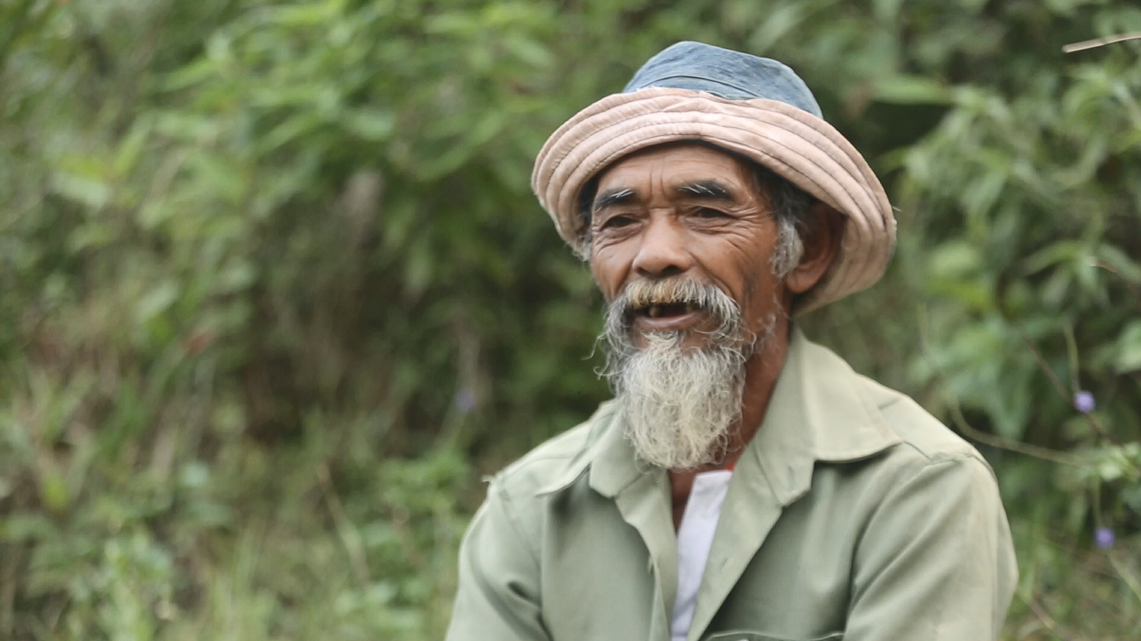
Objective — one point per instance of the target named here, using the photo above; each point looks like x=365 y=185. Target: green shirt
x=853 y=514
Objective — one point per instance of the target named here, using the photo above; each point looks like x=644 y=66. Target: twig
x=1072 y=353
x=1133 y=289
x=1099 y=42
x=1094 y=424
x=1005 y=444
x=1045 y=366
x=13 y=561
x=1046 y=619
x=1129 y=579
x=967 y=430
x=349 y=535
x=19 y=26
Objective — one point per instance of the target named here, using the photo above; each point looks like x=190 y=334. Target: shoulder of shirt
x=925 y=439
x=555 y=457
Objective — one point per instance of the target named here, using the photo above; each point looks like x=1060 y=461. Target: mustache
x=641 y=295
x=672 y=291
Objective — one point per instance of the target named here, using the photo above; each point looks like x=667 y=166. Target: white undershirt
x=694 y=539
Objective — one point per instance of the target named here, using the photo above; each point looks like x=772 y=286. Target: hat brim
x=795 y=144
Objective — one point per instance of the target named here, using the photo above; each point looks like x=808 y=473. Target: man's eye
x=617 y=221
x=708 y=212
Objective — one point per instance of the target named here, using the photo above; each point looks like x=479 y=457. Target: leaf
x=911 y=90
x=1122 y=265
x=187 y=126
x=53 y=491
x=131 y=147
x=956 y=259
x=529 y=51
x=781 y=21
x=1128 y=349
x=1052 y=254
x=187 y=76
x=307 y=14
x=289 y=131
x=86 y=191
x=235 y=277
x=372 y=125
x=420 y=266
x=156 y=301
x=27 y=526
x=886 y=9
x=218 y=175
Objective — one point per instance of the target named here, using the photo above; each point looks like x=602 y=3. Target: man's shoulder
x=924 y=437
x=857 y=416
x=560 y=458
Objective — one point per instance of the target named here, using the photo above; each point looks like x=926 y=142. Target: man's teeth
x=655 y=310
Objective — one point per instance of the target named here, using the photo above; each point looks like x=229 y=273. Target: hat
x=753 y=106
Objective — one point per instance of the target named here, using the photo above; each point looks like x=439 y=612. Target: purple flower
x=464 y=400
x=1104 y=537
x=1084 y=402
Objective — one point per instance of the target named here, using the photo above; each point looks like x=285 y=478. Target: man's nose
x=664 y=250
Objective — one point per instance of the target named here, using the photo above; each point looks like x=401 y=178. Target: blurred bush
x=274 y=291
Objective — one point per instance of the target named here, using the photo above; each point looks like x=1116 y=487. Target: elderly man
x=745 y=483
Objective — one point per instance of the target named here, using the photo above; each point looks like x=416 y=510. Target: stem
x=1072 y=352
x=1035 y=451
x=349 y=535
x=1129 y=579
x=18 y=27
x=1133 y=289
x=1046 y=619
x=1099 y=42
x=1094 y=424
x=967 y=430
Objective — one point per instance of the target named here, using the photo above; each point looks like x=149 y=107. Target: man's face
x=687 y=212
x=681 y=248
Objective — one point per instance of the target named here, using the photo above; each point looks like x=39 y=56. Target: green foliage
x=274 y=291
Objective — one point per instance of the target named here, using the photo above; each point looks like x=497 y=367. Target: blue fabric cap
x=731 y=75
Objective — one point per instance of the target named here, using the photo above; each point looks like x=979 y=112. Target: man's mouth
x=672 y=305
x=666 y=310
x=667 y=316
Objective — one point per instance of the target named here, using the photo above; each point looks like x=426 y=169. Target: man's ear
x=820 y=248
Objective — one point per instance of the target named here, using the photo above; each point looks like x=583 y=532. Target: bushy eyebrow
x=612 y=197
x=710 y=189
x=706 y=189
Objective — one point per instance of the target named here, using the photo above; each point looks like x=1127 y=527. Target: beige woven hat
x=753 y=106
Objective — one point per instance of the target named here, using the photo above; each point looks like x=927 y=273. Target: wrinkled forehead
x=677 y=161
x=693 y=164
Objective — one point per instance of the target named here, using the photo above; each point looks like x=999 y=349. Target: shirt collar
x=819 y=411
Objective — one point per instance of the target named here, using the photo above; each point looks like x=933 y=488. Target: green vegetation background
x=274 y=293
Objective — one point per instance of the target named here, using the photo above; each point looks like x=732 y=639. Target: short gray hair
x=792 y=208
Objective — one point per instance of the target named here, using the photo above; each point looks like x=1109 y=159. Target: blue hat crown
x=728 y=74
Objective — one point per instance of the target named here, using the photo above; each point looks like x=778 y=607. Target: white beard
x=681 y=403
